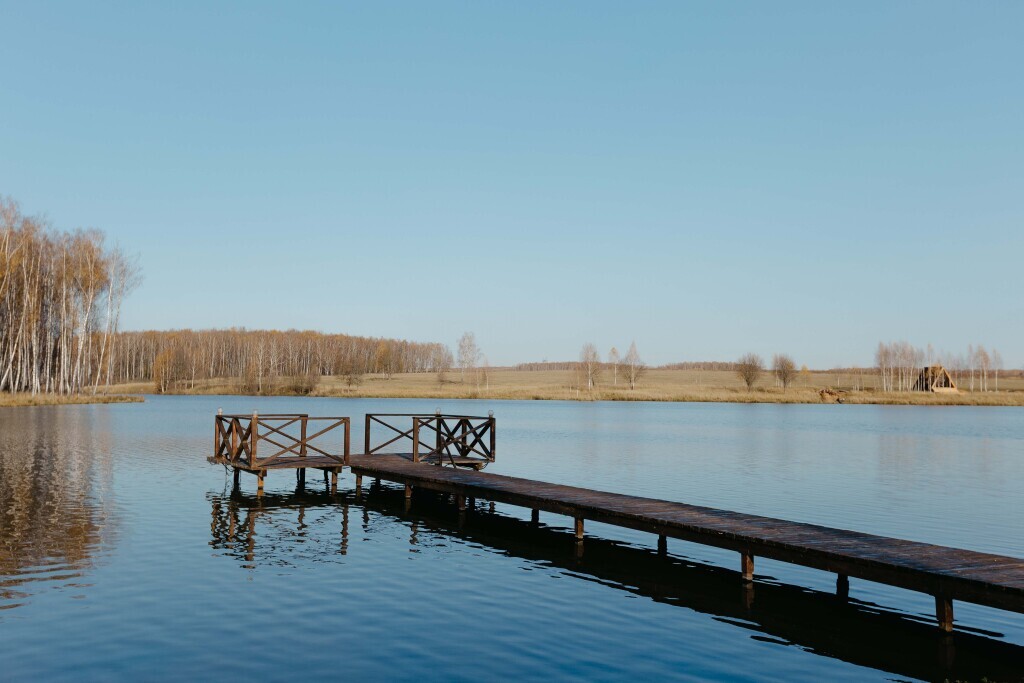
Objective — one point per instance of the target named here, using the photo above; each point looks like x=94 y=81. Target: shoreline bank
x=29 y=400
x=805 y=396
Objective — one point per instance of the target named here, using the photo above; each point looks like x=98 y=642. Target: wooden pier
x=948 y=574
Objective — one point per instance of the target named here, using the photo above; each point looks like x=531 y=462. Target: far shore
x=717 y=386
x=24 y=399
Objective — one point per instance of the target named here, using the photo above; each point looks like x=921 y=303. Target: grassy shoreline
x=680 y=386
x=24 y=400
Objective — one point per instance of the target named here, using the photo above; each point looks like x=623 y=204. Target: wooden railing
x=457 y=440
x=237 y=437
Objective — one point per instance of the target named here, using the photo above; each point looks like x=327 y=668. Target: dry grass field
x=655 y=385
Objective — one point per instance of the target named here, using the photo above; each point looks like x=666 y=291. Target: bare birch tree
x=784 y=369
x=590 y=364
x=614 y=360
x=997 y=365
x=632 y=366
x=469 y=353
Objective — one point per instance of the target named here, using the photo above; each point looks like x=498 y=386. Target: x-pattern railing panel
x=236 y=437
x=406 y=434
x=455 y=436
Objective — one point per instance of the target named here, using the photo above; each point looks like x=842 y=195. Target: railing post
x=437 y=441
x=348 y=434
x=253 y=436
x=494 y=440
x=216 y=437
x=366 y=436
x=415 y=439
x=235 y=425
x=302 y=444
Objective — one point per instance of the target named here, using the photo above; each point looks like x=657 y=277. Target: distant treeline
x=60 y=300
x=259 y=358
x=545 y=365
x=691 y=365
x=702 y=365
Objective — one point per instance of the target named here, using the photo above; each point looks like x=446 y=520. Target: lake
x=124 y=554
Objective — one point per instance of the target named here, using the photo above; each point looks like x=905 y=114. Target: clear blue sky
x=705 y=178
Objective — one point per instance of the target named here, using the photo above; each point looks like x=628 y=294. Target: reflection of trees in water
x=55 y=476
x=313 y=526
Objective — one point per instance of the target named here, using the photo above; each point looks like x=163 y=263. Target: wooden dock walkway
x=946 y=573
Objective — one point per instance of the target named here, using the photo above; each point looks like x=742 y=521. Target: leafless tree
x=442 y=363
x=469 y=353
x=633 y=366
x=351 y=372
x=898 y=365
x=614 y=360
x=484 y=375
x=590 y=364
x=997 y=365
x=984 y=362
x=749 y=368
x=972 y=360
x=784 y=369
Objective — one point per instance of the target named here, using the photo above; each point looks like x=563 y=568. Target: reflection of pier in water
x=54 y=468
x=253 y=530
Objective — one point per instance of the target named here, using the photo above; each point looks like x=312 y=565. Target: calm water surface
x=123 y=554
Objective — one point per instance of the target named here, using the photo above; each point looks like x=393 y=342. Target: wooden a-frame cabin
x=936 y=379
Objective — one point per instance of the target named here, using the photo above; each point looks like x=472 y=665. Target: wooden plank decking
x=313 y=462
x=946 y=573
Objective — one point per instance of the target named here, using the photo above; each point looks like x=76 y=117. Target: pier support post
x=408 y=491
x=472 y=502
x=662 y=544
x=259 y=483
x=238 y=474
x=947 y=651
x=334 y=479
x=461 y=502
x=579 y=529
x=944 y=613
x=747 y=566
x=843 y=586
x=359 y=483
x=535 y=516
x=748 y=595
